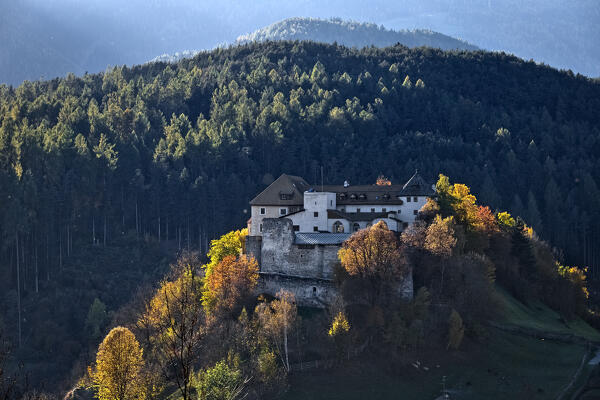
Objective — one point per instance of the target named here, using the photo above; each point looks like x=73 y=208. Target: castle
x=296 y=230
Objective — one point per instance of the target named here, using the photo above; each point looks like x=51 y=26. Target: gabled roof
x=287 y=190
x=416 y=186
x=321 y=238
x=365 y=194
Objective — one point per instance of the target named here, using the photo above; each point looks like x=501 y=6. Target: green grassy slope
x=501 y=366
x=537 y=316
x=506 y=366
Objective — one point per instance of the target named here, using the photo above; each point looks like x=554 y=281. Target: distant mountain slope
x=352 y=34
x=336 y=30
x=41 y=38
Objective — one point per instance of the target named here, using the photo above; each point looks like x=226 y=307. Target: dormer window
x=343 y=196
x=386 y=196
x=286 y=196
x=362 y=196
x=282 y=211
x=353 y=196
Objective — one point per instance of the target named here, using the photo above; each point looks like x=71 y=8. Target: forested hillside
x=352 y=34
x=171 y=153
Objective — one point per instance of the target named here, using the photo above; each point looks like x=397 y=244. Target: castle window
x=415 y=212
x=260 y=227
x=296 y=228
x=316 y=214
x=331 y=203
x=384 y=210
x=408 y=199
x=263 y=211
x=358 y=209
x=338 y=227
x=282 y=211
x=314 y=291
x=355 y=227
x=315 y=229
x=415 y=199
x=372 y=210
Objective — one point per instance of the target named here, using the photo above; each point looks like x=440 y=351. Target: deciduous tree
x=221 y=382
x=174 y=322
x=230 y=244
x=276 y=320
x=119 y=365
x=374 y=255
x=230 y=284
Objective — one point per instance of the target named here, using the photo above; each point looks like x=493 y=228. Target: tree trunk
x=68 y=241
x=137 y=226
x=285 y=347
x=18 y=288
x=123 y=207
x=60 y=259
x=47 y=256
x=200 y=239
x=37 y=274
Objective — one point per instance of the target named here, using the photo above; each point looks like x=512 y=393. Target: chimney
x=346 y=184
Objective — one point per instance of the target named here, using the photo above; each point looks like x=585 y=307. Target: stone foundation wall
x=305 y=270
x=254 y=246
x=309 y=292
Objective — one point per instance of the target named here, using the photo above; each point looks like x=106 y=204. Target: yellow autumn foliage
x=119 y=365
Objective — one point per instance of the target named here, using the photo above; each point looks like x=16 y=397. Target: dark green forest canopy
x=176 y=151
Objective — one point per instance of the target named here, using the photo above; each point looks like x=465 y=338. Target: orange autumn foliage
x=230 y=283
x=485 y=221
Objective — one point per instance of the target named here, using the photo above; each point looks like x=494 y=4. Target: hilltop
x=352 y=34
x=336 y=30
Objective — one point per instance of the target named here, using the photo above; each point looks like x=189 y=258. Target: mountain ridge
x=335 y=30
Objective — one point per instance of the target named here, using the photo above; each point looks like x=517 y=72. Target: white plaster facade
x=357 y=206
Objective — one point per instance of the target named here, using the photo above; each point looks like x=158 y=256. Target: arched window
x=355 y=227
x=338 y=227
